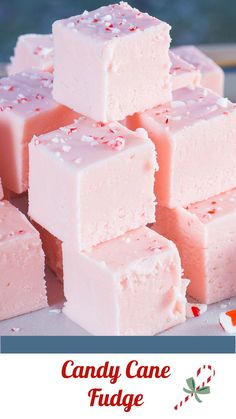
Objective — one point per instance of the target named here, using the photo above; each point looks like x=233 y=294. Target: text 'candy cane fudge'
x=194 y=137
x=205 y=235
x=32 y=51
x=131 y=285
x=212 y=75
x=182 y=73
x=26 y=108
x=111 y=62
x=97 y=182
x=22 y=284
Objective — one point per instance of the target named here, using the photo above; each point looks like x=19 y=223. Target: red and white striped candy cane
x=209 y=378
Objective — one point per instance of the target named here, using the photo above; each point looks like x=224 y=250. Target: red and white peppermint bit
x=35 y=140
x=195 y=309
x=10 y=88
x=15 y=329
x=8 y=108
x=69 y=130
x=117 y=143
x=204 y=383
x=37 y=50
x=133 y=28
x=21 y=98
x=39 y=96
x=227 y=321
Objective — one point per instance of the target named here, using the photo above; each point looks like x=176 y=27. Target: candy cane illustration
x=195 y=391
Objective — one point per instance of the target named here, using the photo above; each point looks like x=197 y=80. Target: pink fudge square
x=22 y=284
x=195 y=142
x=111 y=62
x=182 y=73
x=131 y=285
x=26 y=108
x=32 y=51
x=212 y=75
x=98 y=182
x=52 y=248
x=1 y=190
x=205 y=234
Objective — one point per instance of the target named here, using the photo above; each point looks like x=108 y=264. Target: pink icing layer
x=22 y=284
x=212 y=76
x=185 y=131
x=26 y=108
x=205 y=234
x=212 y=209
x=32 y=51
x=133 y=285
x=111 y=21
x=110 y=171
x=26 y=93
x=182 y=73
x=189 y=106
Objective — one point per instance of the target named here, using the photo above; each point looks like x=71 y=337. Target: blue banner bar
x=113 y=344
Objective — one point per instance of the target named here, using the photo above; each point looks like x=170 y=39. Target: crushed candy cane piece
x=55 y=311
x=15 y=329
x=66 y=148
x=195 y=309
x=177 y=104
x=223 y=102
x=227 y=321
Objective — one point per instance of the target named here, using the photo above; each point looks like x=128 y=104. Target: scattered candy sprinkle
x=227 y=321
x=195 y=309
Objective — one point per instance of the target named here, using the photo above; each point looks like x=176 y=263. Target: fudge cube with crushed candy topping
x=32 y=51
x=194 y=137
x=89 y=183
x=111 y=62
x=26 y=108
x=212 y=75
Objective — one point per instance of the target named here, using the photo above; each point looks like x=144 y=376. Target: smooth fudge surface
x=97 y=179
x=26 y=108
x=182 y=73
x=1 y=190
x=131 y=285
x=205 y=235
x=111 y=62
x=32 y=51
x=52 y=248
x=22 y=284
x=212 y=75
x=194 y=137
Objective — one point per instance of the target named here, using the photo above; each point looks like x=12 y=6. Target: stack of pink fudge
x=120 y=277
x=94 y=182
x=26 y=108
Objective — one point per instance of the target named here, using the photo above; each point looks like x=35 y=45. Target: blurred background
x=193 y=21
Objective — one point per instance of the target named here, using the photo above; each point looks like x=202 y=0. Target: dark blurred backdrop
x=193 y=21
